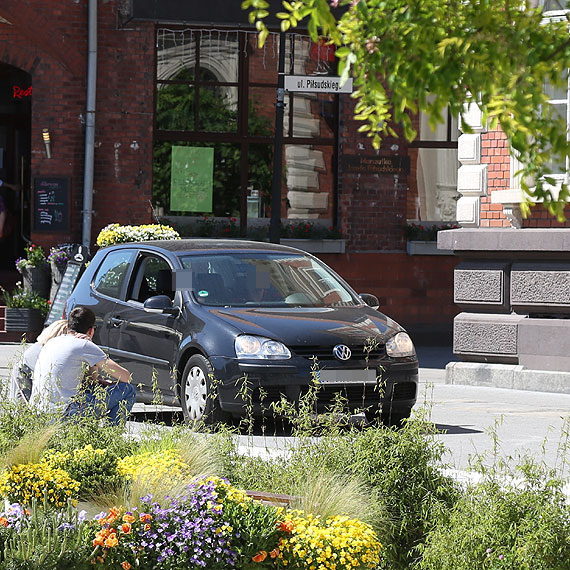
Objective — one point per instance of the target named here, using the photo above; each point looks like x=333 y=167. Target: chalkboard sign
x=68 y=281
x=51 y=204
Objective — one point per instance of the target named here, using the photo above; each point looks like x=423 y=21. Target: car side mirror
x=370 y=300
x=160 y=304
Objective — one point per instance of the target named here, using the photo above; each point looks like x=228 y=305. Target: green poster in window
x=192 y=179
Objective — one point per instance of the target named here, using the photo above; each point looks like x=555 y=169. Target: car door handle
x=116 y=322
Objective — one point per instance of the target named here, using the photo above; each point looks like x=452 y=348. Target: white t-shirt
x=59 y=370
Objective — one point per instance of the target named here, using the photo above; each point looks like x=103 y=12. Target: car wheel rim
x=195 y=393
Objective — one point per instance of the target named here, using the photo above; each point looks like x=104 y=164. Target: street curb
x=507 y=376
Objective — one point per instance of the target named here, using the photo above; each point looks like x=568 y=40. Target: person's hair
x=53 y=330
x=80 y=320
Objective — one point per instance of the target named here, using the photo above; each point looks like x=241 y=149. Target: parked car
x=219 y=326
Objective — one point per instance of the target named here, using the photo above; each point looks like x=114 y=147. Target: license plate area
x=345 y=376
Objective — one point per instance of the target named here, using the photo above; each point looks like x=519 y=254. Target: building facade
x=187 y=84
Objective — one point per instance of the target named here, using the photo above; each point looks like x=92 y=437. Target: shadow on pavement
x=455 y=430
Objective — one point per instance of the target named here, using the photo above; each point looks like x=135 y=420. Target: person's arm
x=110 y=367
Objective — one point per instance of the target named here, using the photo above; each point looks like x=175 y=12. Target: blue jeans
x=115 y=402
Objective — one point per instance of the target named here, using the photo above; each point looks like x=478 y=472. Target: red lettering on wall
x=20 y=93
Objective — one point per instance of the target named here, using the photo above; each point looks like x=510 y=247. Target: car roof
x=201 y=244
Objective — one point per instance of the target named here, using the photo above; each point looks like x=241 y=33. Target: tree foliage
x=410 y=56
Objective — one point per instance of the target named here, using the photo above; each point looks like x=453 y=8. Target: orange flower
x=128 y=518
x=260 y=556
x=145 y=517
x=146 y=527
x=27 y=512
x=274 y=553
x=126 y=528
x=286 y=526
x=3 y=521
x=98 y=540
x=125 y=565
x=111 y=541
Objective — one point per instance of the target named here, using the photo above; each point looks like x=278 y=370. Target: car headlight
x=249 y=346
x=400 y=345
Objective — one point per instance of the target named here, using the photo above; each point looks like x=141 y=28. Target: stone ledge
x=512 y=377
x=483 y=241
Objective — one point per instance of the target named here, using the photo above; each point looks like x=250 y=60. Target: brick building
x=168 y=80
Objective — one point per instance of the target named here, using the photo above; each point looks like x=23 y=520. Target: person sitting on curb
x=20 y=387
x=67 y=369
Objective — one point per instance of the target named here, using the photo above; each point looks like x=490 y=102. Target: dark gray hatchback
x=224 y=325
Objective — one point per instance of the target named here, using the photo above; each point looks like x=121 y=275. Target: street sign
x=317 y=84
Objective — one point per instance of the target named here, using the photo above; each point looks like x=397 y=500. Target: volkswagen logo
x=342 y=352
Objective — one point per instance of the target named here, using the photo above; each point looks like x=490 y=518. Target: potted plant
x=25 y=309
x=58 y=258
x=35 y=270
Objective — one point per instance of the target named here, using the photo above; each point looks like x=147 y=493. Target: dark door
x=146 y=343
x=15 y=121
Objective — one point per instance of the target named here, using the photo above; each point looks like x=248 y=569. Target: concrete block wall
x=513 y=287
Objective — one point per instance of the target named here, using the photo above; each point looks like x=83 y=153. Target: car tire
x=197 y=397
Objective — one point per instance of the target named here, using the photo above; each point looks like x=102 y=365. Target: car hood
x=311 y=326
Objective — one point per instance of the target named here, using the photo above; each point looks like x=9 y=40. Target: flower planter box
x=425 y=248
x=37 y=279
x=316 y=245
x=23 y=320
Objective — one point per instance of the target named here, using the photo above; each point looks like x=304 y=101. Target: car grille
x=325 y=353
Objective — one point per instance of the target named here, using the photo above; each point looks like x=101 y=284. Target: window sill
x=316 y=245
x=425 y=248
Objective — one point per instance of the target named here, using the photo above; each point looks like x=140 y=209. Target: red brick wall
x=495 y=153
x=414 y=290
x=372 y=207
x=48 y=39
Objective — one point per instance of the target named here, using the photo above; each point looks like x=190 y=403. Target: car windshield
x=262 y=280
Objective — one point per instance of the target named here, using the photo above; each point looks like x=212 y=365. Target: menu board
x=51 y=204
x=68 y=281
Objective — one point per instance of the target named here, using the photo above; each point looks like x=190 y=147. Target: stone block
x=472 y=180
x=473 y=117
x=541 y=287
x=467 y=213
x=481 y=286
x=544 y=344
x=309 y=200
x=469 y=149
x=486 y=337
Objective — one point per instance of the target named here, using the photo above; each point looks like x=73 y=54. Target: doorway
x=15 y=128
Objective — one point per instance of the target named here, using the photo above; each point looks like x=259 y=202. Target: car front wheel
x=197 y=396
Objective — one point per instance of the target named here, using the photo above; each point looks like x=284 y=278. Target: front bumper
x=255 y=385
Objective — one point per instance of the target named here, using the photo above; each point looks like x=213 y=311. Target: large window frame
x=245 y=85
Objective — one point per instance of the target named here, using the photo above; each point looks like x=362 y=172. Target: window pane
x=435 y=195
x=175 y=52
x=218 y=109
x=111 y=275
x=260 y=178
x=219 y=54
x=175 y=107
x=559 y=92
x=261 y=112
x=312 y=114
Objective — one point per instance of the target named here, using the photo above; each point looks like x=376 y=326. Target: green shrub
x=94 y=469
x=516 y=524
x=400 y=469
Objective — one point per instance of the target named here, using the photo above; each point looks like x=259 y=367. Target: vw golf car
x=219 y=326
